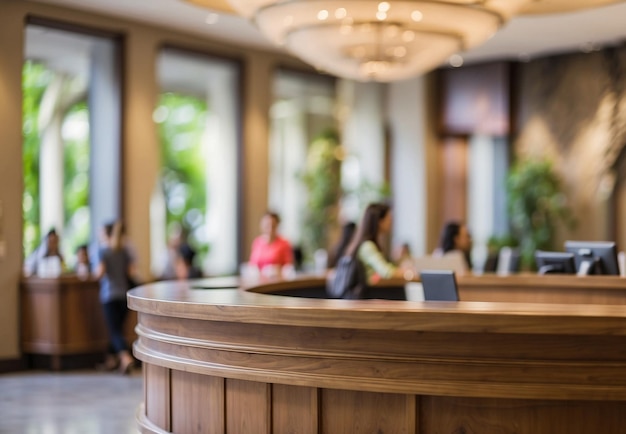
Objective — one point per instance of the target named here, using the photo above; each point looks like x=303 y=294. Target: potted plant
x=322 y=180
x=536 y=205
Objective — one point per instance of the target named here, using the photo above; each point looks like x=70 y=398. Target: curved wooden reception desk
x=244 y=361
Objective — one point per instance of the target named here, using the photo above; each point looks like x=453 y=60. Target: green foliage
x=182 y=123
x=536 y=205
x=322 y=180
x=35 y=80
x=494 y=243
x=76 y=180
x=369 y=192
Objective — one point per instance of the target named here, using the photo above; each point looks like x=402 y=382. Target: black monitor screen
x=439 y=285
x=594 y=257
x=555 y=262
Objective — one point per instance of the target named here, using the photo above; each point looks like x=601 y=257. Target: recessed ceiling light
x=341 y=13
x=212 y=18
x=588 y=47
x=456 y=60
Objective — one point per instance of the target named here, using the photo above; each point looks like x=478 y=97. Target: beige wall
x=141 y=162
x=11 y=38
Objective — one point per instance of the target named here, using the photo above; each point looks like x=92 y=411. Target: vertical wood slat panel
x=248 y=407
x=412 y=414
x=197 y=403
x=345 y=411
x=157 y=380
x=455 y=154
x=495 y=416
x=295 y=409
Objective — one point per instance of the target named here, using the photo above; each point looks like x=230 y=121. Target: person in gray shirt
x=115 y=271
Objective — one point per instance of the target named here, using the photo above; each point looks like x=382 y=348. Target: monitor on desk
x=555 y=262
x=593 y=257
x=439 y=285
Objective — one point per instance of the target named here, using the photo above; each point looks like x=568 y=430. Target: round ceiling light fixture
x=385 y=40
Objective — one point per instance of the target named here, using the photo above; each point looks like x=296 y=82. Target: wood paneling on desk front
x=63 y=317
x=231 y=360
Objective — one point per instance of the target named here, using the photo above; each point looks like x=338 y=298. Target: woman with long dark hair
x=366 y=243
x=456 y=239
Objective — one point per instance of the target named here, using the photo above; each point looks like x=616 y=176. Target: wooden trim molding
x=314 y=365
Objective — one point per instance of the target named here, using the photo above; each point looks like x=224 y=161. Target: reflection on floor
x=76 y=402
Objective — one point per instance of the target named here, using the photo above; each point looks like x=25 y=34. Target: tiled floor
x=76 y=402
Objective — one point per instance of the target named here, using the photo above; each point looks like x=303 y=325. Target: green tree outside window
x=182 y=123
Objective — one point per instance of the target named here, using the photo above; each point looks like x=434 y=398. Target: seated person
x=46 y=260
x=456 y=240
x=270 y=252
x=184 y=263
x=83 y=266
x=376 y=222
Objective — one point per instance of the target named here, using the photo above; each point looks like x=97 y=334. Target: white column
x=361 y=107
x=288 y=148
x=158 y=231
x=105 y=135
x=221 y=148
x=51 y=157
x=406 y=107
x=481 y=189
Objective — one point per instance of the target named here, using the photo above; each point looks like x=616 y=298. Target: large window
x=303 y=111
x=197 y=117
x=71 y=97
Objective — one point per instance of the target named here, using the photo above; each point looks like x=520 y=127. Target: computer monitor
x=594 y=257
x=439 y=285
x=555 y=262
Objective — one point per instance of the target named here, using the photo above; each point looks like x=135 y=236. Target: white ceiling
x=523 y=37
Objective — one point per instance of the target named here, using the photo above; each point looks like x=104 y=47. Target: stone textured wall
x=572 y=108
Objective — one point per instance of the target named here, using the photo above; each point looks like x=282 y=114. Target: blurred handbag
x=349 y=281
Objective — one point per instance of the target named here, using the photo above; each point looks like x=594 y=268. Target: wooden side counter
x=245 y=361
x=63 y=317
x=533 y=288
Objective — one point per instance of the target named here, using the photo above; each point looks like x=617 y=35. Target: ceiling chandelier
x=390 y=39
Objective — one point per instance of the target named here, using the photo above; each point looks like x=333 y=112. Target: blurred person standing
x=116 y=271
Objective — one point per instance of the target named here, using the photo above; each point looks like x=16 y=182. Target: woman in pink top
x=270 y=249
